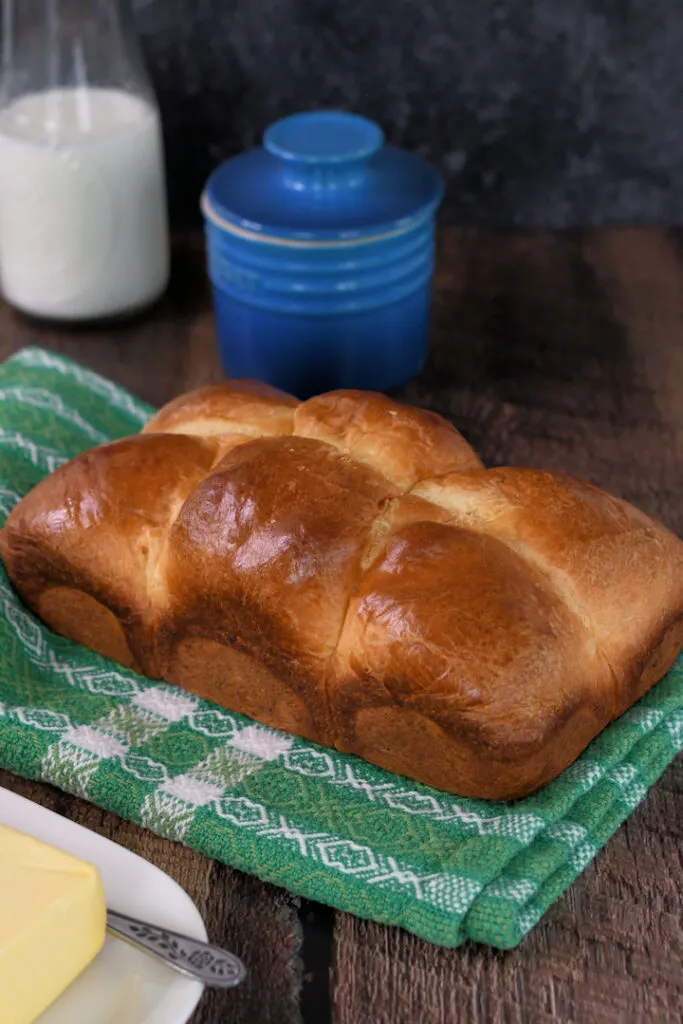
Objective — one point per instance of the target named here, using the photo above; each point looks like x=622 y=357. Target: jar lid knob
x=330 y=145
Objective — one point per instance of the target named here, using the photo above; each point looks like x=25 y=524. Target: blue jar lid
x=323 y=175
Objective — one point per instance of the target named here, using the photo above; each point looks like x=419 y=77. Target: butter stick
x=52 y=923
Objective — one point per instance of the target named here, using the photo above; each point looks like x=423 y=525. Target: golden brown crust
x=79 y=616
x=264 y=555
x=475 y=633
x=97 y=525
x=412 y=744
x=221 y=672
x=403 y=443
x=454 y=628
x=236 y=406
x=663 y=655
x=620 y=571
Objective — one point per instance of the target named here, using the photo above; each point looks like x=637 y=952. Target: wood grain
x=555 y=350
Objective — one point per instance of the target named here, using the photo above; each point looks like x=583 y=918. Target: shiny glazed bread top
x=346 y=569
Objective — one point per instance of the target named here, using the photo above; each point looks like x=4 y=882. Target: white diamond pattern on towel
x=69 y=767
x=167 y=815
x=41 y=718
x=81 y=749
x=172 y=807
x=40 y=455
x=107 y=683
x=171 y=705
x=8 y=499
x=314 y=764
x=115 y=396
x=332 y=769
x=214 y=723
x=25 y=626
x=41 y=398
x=227 y=767
x=348 y=857
x=242 y=811
x=144 y=768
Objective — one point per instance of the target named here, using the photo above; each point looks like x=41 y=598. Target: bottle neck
x=70 y=44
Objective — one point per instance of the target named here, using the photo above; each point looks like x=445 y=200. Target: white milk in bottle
x=83 y=221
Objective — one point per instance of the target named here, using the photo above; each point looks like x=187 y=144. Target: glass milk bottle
x=83 y=221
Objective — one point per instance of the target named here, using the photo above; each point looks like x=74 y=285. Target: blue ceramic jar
x=320 y=252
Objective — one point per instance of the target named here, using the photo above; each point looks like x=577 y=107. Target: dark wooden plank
x=317 y=953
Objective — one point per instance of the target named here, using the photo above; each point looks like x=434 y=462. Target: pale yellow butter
x=52 y=923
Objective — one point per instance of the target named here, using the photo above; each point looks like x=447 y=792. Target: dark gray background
x=540 y=112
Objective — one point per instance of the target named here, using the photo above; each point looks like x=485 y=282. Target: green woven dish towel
x=323 y=825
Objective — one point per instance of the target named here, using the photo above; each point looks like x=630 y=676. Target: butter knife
x=202 y=961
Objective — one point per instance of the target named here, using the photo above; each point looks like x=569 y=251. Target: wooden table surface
x=556 y=350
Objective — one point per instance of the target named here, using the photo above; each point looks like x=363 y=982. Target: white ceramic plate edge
x=132 y=886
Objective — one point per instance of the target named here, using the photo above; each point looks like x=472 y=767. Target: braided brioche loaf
x=346 y=569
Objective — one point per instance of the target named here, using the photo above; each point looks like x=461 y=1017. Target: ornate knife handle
x=208 y=964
